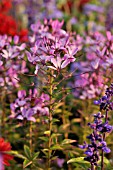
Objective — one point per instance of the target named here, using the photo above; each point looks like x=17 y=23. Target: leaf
x=76 y=120
x=26 y=163
x=44 y=138
x=98 y=168
x=47 y=132
x=57 y=111
x=53 y=158
x=56 y=147
x=55 y=135
x=59 y=105
x=106 y=162
x=67 y=141
x=35 y=155
x=27 y=151
x=79 y=163
x=45 y=151
x=55 y=120
x=15 y=153
x=81 y=166
x=78 y=160
x=63 y=127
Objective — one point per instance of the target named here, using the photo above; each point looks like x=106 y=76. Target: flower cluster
x=25 y=107
x=100 y=127
x=51 y=46
x=10 y=67
x=4 y=157
x=5 y=6
x=106 y=102
x=96 y=138
x=96 y=68
x=9 y=25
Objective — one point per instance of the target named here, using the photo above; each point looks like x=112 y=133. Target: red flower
x=23 y=34
x=5 y=5
x=5 y=147
x=8 y=25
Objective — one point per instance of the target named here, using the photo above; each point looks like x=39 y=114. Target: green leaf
x=45 y=151
x=56 y=147
x=99 y=168
x=79 y=163
x=55 y=120
x=78 y=160
x=26 y=163
x=67 y=141
x=106 y=161
x=58 y=111
x=15 y=153
x=35 y=155
x=44 y=138
x=27 y=151
x=55 y=135
x=81 y=166
x=48 y=132
x=53 y=158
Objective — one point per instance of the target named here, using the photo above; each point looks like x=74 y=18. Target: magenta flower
x=53 y=48
x=27 y=114
x=29 y=107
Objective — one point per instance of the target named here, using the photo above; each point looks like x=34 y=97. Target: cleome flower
x=27 y=107
x=51 y=46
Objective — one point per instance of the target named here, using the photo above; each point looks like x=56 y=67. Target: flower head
x=4 y=157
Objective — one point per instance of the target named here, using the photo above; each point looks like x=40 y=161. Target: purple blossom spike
x=99 y=127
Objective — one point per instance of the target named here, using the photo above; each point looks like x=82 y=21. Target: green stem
x=66 y=132
x=31 y=141
x=50 y=122
x=30 y=137
x=3 y=100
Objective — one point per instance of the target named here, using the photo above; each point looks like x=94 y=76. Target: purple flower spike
x=100 y=127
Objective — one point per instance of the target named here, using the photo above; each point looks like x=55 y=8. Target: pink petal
x=52 y=67
x=65 y=63
x=59 y=60
x=20 y=117
x=54 y=62
x=74 y=51
x=108 y=33
x=1 y=63
x=29 y=56
x=16 y=39
x=95 y=63
x=32 y=119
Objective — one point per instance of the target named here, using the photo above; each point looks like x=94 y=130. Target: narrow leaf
x=67 y=141
x=15 y=153
x=56 y=147
x=78 y=160
x=27 y=151
x=26 y=163
x=35 y=155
